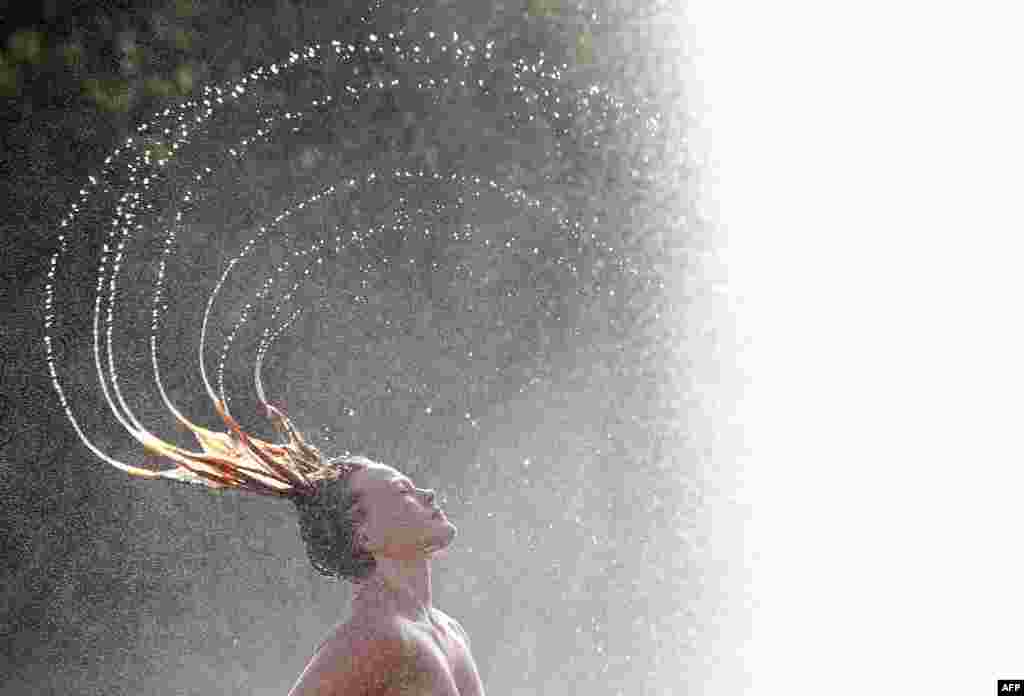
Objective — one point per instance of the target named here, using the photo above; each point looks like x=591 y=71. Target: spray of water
x=164 y=178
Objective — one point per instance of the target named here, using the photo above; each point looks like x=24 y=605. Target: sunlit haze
x=865 y=162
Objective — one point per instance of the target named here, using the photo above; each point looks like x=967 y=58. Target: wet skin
x=396 y=643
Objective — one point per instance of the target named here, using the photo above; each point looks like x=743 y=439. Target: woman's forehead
x=378 y=473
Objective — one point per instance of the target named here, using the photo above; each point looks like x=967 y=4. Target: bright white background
x=865 y=163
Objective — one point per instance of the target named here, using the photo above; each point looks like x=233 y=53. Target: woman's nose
x=430 y=496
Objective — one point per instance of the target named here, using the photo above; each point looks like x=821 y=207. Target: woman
x=362 y=521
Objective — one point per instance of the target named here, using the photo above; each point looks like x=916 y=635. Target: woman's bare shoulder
x=358 y=633
x=357 y=657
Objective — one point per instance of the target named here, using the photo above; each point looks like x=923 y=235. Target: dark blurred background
x=579 y=486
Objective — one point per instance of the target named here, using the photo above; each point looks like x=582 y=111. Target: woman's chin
x=444 y=539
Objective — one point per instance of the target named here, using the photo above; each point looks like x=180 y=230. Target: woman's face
x=400 y=521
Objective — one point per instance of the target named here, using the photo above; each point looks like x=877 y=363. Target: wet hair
x=293 y=469
x=328 y=517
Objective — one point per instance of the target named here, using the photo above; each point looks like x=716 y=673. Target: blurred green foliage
x=25 y=47
x=9 y=77
x=584 y=48
x=158 y=150
x=73 y=55
x=542 y=8
x=552 y=9
x=115 y=61
x=152 y=52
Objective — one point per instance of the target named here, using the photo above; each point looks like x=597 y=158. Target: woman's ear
x=363 y=540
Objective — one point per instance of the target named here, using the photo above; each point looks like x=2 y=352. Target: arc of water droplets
x=187 y=116
x=245 y=312
x=244 y=315
x=270 y=334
